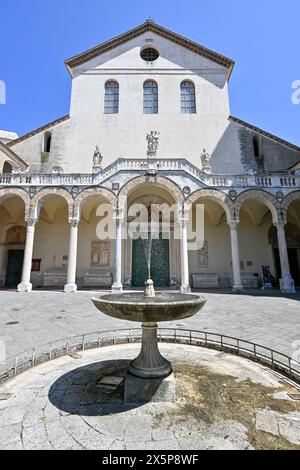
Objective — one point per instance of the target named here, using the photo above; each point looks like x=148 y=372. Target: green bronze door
x=160 y=263
x=14 y=268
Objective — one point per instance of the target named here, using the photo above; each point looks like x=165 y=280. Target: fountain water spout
x=149 y=291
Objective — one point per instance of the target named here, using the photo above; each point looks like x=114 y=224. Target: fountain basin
x=138 y=308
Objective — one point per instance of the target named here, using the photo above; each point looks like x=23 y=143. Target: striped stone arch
x=262 y=196
x=294 y=196
x=90 y=192
x=217 y=196
x=160 y=181
x=42 y=196
x=21 y=193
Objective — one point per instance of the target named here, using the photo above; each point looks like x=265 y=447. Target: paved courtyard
x=220 y=402
x=37 y=318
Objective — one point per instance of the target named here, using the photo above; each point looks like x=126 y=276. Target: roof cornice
x=13 y=156
x=265 y=133
x=149 y=25
x=38 y=130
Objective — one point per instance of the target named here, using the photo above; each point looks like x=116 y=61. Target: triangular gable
x=265 y=133
x=149 y=25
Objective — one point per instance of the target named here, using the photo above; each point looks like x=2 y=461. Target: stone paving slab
x=268 y=319
x=74 y=417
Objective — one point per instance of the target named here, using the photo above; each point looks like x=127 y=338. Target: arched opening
x=12 y=240
x=256 y=253
x=51 y=243
x=47 y=142
x=111 y=97
x=210 y=265
x=150 y=244
x=188 y=97
x=7 y=168
x=96 y=244
x=259 y=158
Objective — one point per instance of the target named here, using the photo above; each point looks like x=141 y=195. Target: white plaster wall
x=124 y=134
x=219 y=248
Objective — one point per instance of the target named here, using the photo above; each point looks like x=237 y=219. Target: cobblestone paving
x=37 y=318
x=59 y=405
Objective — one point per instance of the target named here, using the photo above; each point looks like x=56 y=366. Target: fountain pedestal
x=150 y=364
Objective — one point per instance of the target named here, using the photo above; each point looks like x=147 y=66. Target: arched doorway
x=142 y=249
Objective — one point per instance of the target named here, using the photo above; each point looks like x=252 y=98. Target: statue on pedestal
x=205 y=160
x=97 y=158
x=153 y=143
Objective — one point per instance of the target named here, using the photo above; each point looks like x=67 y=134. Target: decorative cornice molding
x=38 y=130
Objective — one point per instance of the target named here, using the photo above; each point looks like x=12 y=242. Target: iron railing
x=275 y=360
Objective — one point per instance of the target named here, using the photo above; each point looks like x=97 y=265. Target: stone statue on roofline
x=205 y=160
x=97 y=159
x=153 y=143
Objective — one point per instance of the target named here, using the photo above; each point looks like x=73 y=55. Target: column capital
x=74 y=222
x=280 y=225
x=183 y=213
x=118 y=215
x=31 y=221
x=233 y=224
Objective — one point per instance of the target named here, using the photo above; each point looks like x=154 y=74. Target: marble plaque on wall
x=100 y=254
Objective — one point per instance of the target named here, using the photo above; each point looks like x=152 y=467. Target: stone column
x=185 y=275
x=286 y=283
x=235 y=255
x=26 y=285
x=117 y=285
x=71 y=285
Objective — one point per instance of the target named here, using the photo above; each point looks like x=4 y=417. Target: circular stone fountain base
x=221 y=402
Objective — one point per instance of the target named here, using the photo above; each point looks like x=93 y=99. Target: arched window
x=256 y=147
x=47 y=142
x=7 y=168
x=188 y=99
x=150 y=97
x=111 y=99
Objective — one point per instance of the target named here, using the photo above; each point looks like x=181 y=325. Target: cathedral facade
x=149 y=124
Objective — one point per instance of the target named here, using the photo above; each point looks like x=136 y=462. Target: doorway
x=160 y=263
x=14 y=268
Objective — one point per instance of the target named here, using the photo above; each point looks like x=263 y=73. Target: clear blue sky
x=262 y=36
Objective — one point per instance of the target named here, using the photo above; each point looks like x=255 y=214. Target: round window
x=149 y=54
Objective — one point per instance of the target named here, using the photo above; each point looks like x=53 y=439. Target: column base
x=185 y=289
x=70 y=288
x=287 y=285
x=238 y=289
x=117 y=288
x=25 y=287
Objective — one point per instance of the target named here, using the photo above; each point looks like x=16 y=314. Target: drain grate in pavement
x=12 y=323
